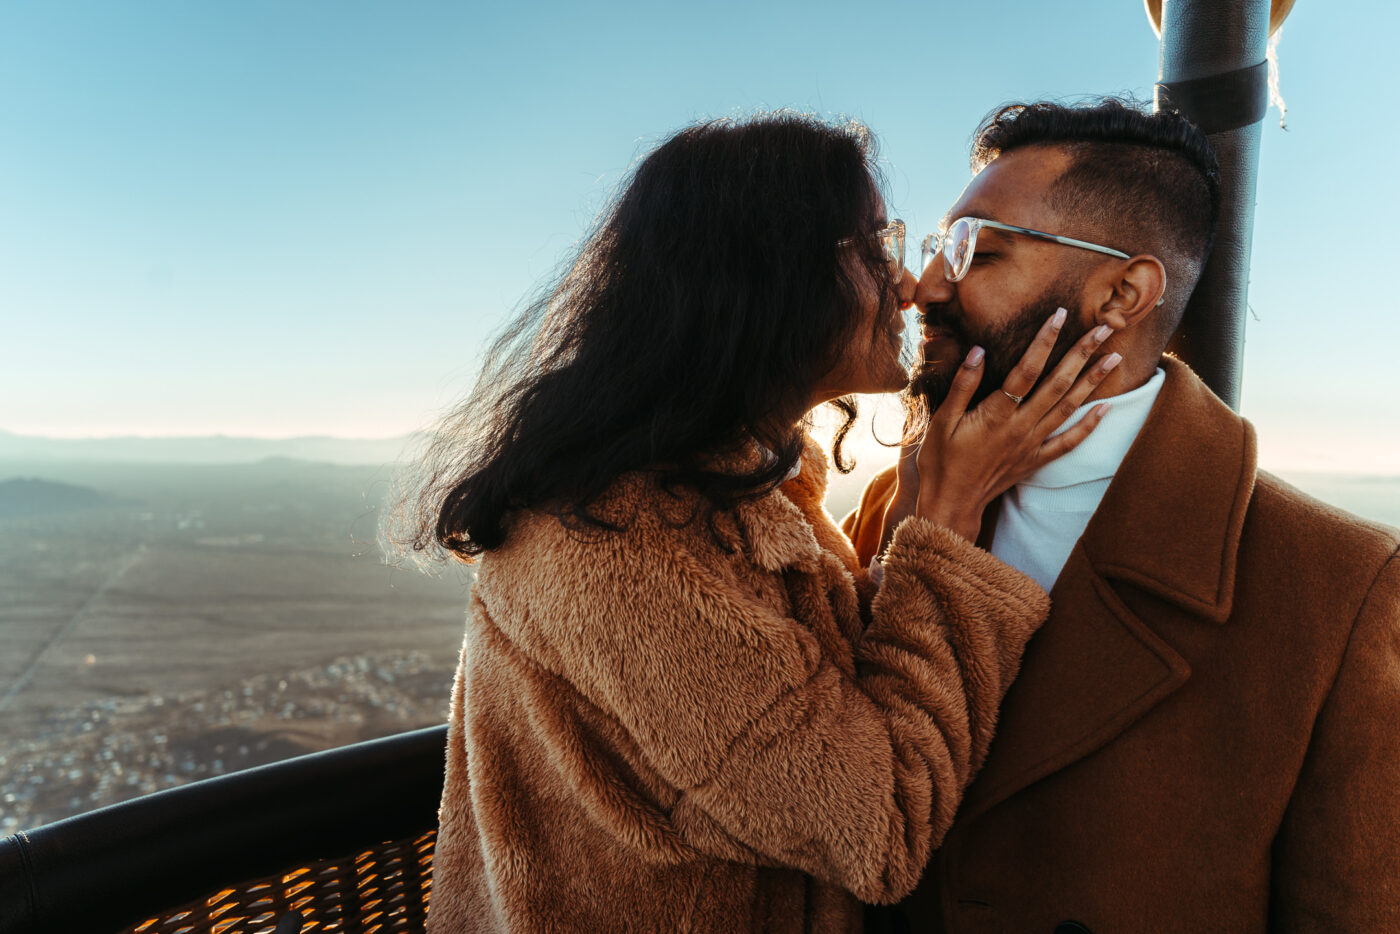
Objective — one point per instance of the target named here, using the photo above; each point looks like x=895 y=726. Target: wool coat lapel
x=1164 y=527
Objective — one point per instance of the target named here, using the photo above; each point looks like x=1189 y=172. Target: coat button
x=1071 y=927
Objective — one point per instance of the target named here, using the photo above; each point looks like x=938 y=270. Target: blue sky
x=278 y=219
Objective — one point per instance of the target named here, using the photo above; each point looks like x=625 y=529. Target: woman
x=681 y=705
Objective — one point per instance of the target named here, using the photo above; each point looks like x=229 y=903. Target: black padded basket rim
x=112 y=868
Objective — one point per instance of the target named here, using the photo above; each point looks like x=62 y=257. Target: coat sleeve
x=864 y=524
x=1337 y=855
x=782 y=754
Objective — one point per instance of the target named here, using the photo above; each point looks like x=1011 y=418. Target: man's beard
x=930 y=382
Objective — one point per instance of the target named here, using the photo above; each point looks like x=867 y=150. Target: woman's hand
x=968 y=458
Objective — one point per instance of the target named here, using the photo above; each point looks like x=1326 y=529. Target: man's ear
x=1135 y=289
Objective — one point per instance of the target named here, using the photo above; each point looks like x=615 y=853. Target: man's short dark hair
x=1144 y=182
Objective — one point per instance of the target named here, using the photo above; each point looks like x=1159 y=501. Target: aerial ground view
x=167 y=622
x=164 y=621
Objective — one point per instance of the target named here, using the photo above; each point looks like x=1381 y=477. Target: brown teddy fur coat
x=651 y=732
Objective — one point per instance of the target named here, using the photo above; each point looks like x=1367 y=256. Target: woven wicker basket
x=380 y=890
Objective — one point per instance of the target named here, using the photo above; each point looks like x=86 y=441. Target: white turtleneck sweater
x=1044 y=515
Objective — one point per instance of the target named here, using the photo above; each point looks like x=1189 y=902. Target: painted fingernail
x=975 y=355
x=1102 y=333
x=1111 y=361
x=1059 y=319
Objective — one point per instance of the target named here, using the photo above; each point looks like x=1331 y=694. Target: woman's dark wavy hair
x=697 y=316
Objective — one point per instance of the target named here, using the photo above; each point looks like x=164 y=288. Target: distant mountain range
x=215 y=449
x=29 y=496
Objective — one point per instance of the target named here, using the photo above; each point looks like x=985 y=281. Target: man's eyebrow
x=946 y=221
x=987 y=231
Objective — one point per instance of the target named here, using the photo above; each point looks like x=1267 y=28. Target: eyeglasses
x=959 y=244
x=891 y=241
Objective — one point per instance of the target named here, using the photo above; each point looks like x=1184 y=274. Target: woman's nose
x=906 y=287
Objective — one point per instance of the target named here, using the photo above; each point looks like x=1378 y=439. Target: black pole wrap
x=1212 y=70
x=1220 y=103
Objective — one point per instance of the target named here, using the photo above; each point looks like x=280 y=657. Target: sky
x=307 y=218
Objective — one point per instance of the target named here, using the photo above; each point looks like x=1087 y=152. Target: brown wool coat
x=651 y=734
x=1205 y=736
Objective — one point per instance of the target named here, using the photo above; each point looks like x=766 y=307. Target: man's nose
x=934 y=287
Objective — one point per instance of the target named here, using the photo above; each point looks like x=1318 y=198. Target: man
x=1203 y=736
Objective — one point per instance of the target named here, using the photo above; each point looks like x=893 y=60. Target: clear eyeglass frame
x=892 y=240
x=958 y=244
